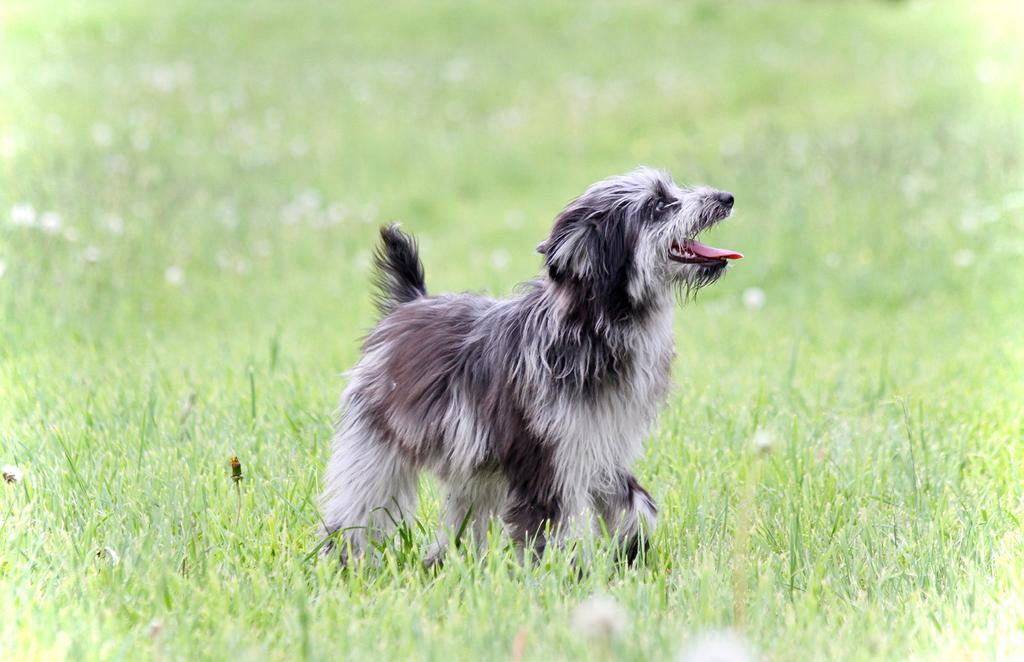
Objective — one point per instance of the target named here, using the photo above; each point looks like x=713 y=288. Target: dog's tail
x=398 y=272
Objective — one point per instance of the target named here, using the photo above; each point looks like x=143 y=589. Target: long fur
x=530 y=409
x=398 y=273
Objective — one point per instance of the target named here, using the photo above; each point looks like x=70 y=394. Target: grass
x=217 y=171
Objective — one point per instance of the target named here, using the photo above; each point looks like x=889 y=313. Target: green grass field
x=188 y=196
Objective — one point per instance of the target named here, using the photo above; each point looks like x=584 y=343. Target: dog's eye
x=662 y=204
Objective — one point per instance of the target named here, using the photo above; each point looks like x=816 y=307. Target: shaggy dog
x=530 y=409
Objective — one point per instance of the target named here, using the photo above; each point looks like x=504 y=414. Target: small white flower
x=600 y=617
x=298 y=146
x=500 y=259
x=91 y=254
x=8 y=145
x=336 y=213
x=456 y=70
x=114 y=224
x=23 y=214
x=963 y=258
x=514 y=219
x=718 y=647
x=764 y=441
x=108 y=554
x=754 y=298
x=310 y=199
x=292 y=213
x=969 y=223
x=140 y=140
x=102 y=135
x=175 y=276
x=987 y=72
x=3 y=268
x=12 y=474
x=51 y=222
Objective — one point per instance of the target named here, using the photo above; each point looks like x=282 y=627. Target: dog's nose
x=725 y=198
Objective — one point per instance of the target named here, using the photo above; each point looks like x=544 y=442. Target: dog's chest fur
x=601 y=433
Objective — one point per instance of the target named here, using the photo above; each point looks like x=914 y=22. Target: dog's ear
x=566 y=250
x=586 y=242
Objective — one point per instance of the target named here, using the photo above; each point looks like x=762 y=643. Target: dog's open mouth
x=691 y=251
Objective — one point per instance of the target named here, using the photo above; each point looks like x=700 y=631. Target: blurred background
x=220 y=165
x=189 y=194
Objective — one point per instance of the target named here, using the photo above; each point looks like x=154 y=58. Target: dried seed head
x=108 y=554
x=236 y=469
x=718 y=647
x=12 y=474
x=764 y=441
x=600 y=617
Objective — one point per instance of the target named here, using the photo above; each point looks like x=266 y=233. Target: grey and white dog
x=530 y=409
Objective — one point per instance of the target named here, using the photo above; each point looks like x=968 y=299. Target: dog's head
x=636 y=234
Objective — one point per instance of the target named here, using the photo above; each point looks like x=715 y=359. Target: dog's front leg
x=533 y=519
x=629 y=512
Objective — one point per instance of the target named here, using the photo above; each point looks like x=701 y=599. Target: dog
x=530 y=409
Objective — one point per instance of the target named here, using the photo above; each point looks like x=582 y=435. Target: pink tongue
x=710 y=251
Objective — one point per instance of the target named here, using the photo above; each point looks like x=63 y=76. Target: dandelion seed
x=310 y=199
x=515 y=219
x=512 y=117
x=140 y=140
x=175 y=276
x=456 y=70
x=12 y=474
x=91 y=254
x=718 y=647
x=987 y=72
x=963 y=258
x=500 y=259
x=336 y=213
x=51 y=222
x=969 y=223
x=754 y=298
x=764 y=442
x=8 y=145
x=291 y=213
x=102 y=135
x=114 y=224
x=108 y=554
x=600 y=617
x=298 y=147
x=23 y=215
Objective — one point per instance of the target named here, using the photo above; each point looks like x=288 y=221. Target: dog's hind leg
x=629 y=513
x=371 y=489
x=469 y=506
